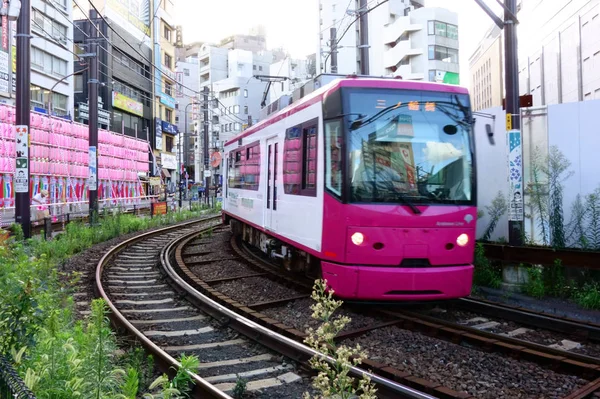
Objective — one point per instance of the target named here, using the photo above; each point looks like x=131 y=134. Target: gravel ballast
x=483 y=375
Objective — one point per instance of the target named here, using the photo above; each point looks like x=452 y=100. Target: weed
x=535 y=283
x=588 y=296
x=485 y=274
x=554 y=279
x=332 y=379
x=240 y=388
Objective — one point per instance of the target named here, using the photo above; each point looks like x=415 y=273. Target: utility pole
x=93 y=122
x=205 y=147
x=364 y=38
x=333 y=49
x=23 y=101
x=513 y=118
x=180 y=150
x=513 y=127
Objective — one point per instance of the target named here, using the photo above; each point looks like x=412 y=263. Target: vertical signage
x=22 y=163
x=515 y=177
x=93 y=180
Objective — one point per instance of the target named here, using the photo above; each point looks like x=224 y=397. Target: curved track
x=145 y=296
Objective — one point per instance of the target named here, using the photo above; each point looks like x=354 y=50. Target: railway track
x=146 y=298
x=285 y=292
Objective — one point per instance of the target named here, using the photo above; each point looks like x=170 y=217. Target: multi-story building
x=164 y=84
x=404 y=38
x=297 y=73
x=486 y=67
x=125 y=95
x=188 y=110
x=559 y=54
x=51 y=61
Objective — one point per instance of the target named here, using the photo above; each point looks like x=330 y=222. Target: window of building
x=245 y=93
x=432 y=75
x=168 y=89
x=168 y=115
x=186 y=72
x=245 y=110
x=47 y=63
x=445 y=54
x=260 y=67
x=244 y=167
x=168 y=144
x=442 y=29
x=168 y=61
x=237 y=126
x=300 y=159
x=167 y=33
x=236 y=109
x=48 y=27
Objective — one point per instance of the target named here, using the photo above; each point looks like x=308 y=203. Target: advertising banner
x=127 y=104
x=159 y=140
x=168 y=161
x=133 y=15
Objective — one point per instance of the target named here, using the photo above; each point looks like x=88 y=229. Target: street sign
x=103 y=115
x=22 y=162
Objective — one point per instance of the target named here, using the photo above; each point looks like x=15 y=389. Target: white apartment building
x=559 y=52
x=405 y=38
x=52 y=29
x=297 y=73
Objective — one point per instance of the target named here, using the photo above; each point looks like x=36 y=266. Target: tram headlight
x=358 y=238
x=462 y=240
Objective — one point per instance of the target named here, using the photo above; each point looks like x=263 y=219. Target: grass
x=57 y=355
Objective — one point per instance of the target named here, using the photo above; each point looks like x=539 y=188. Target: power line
x=352 y=23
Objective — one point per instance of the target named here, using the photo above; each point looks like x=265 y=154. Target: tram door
x=271 y=197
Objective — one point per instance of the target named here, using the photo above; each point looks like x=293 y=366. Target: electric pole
x=205 y=146
x=513 y=127
x=333 y=49
x=513 y=118
x=364 y=38
x=23 y=101
x=93 y=122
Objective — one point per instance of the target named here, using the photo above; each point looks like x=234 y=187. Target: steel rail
x=565 y=325
x=261 y=333
x=201 y=388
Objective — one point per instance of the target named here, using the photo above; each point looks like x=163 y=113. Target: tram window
x=300 y=159
x=244 y=168
x=333 y=157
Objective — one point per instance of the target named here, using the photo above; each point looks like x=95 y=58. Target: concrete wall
x=572 y=127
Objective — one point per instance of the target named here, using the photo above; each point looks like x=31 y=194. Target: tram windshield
x=409 y=146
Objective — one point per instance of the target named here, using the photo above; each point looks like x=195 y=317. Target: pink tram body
x=368 y=183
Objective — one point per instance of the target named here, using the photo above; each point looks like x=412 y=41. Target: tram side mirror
x=490 y=133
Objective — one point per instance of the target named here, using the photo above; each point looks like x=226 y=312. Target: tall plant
x=538 y=194
x=592 y=218
x=576 y=228
x=557 y=171
x=495 y=211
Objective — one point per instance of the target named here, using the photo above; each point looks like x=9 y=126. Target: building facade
x=51 y=61
x=125 y=93
x=486 y=70
x=188 y=104
x=405 y=39
x=164 y=36
x=559 y=53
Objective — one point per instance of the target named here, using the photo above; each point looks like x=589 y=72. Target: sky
x=293 y=24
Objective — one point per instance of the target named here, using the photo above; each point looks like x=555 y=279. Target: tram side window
x=244 y=168
x=300 y=159
x=333 y=157
x=251 y=168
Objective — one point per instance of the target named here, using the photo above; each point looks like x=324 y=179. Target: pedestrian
x=39 y=200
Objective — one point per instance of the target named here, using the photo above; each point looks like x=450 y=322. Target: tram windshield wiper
x=412 y=206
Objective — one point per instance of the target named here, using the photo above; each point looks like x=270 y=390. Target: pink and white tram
x=367 y=182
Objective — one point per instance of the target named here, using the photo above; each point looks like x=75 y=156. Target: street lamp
x=55 y=84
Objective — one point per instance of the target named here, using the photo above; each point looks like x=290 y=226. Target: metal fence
x=11 y=385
